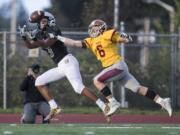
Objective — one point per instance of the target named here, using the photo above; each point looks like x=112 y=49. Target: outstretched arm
x=68 y=41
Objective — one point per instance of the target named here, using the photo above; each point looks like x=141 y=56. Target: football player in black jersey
x=67 y=64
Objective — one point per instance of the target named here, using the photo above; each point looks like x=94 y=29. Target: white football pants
x=68 y=67
x=119 y=71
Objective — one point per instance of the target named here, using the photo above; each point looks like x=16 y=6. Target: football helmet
x=96 y=27
x=51 y=19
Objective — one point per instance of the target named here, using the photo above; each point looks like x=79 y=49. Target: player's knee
x=133 y=85
x=99 y=85
x=95 y=82
x=142 y=90
x=78 y=88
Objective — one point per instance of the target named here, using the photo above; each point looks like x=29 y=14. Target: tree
x=67 y=12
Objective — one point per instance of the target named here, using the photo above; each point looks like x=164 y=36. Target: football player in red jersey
x=104 y=44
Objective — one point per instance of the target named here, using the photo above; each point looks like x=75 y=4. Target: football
x=36 y=16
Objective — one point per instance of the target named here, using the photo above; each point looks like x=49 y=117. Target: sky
x=31 y=5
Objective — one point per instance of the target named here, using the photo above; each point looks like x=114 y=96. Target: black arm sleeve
x=84 y=45
x=24 y=84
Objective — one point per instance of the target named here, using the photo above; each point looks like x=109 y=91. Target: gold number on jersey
x=100 y=50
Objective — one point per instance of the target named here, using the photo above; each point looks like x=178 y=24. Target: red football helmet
x=96 y=27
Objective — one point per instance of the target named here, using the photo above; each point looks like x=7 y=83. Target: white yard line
x=115 y=127
x=89 y=133
x=178 y=127
x=7 y=132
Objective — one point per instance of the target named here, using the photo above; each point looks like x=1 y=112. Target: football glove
x=124 y=35
x=23 y=32
x=52 y=35
x=32 y=34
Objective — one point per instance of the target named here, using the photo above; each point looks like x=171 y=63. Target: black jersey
x=56 y=51
x=31 y=94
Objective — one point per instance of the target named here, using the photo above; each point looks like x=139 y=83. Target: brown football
x=36 y=16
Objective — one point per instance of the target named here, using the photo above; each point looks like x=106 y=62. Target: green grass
x=90 y=129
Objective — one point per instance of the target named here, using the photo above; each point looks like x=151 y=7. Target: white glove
x=60 y=38
x=23 y=31
x=51 y=35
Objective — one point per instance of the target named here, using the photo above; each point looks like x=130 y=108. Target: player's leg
x=131 y=83
x=72 y=73
x=44 y=110
x=47 y=77
x=114 y=72
x=163 y=102
x=29 y=114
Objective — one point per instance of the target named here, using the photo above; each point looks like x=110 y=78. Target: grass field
x=90 y=129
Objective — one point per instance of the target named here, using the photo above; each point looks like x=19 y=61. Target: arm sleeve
x=86 y=43
x=116 y=37
x=54 y=30
x=24 y=84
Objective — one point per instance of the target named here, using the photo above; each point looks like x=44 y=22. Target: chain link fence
x=152 y=59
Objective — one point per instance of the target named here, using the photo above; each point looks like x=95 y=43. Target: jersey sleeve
x=55 y=30
x=113 y=35
x=87 y=43
x=116 y=37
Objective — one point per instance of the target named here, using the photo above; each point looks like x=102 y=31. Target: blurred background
x=153 y=56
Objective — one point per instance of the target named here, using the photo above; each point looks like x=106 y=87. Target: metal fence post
x=4 y=70
x=173 y=71
x=122 y=89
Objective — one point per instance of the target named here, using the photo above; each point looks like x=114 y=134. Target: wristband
x=62 y=39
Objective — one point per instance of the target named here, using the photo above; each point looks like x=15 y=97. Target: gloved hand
x=124 y=35
x=23 y=32
x=51 y=35
x=32 y=34
x=58 y=37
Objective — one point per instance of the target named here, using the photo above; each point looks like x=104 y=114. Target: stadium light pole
x=167 y=7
